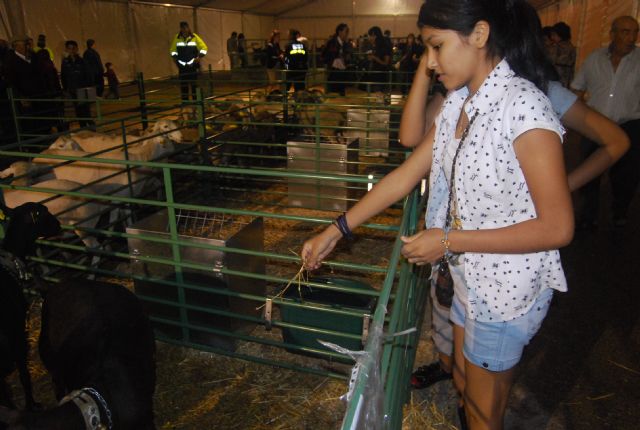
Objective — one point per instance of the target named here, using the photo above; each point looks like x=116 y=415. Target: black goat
x=99 y=348
x=25 y=224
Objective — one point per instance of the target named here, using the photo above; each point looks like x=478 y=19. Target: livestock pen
x=210 y=244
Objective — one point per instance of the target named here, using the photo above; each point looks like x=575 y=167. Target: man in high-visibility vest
x=187 y=49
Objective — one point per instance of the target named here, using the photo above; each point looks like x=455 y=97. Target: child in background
x=113 y=81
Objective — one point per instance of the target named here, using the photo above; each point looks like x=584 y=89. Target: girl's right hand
x=318 y=247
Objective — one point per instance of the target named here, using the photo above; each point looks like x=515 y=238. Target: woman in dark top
x=409 y=62
x=242 y=50
x=274 y=57
x=379 y=58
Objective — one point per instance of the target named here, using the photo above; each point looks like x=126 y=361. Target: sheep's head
x=18 y=169
x=170 y=128
x=65 y=142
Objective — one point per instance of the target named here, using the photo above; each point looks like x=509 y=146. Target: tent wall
x=590 y=20
x=319 y=18
x=133 y=36
x=136 y=36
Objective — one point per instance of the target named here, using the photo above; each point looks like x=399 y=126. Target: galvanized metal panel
x=321 y=158
x=372 y=143
x=250 y=236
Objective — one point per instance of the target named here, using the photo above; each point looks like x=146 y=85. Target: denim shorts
x=498 y=346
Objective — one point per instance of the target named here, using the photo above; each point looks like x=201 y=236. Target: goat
x=73 y=211
x=98 y=346
x=27 y=222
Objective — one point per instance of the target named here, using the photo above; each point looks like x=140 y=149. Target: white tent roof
x=268 y=7
x=261 y=7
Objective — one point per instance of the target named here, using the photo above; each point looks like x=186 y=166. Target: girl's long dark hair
x=516 y=33
x=377 y=31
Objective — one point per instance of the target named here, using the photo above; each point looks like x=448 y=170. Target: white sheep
x=91 y=141
x=97 y=173
x=70 y=210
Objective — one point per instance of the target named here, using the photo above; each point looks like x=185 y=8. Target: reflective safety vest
x=185 y=50
x=46 y=48
x=296 y=56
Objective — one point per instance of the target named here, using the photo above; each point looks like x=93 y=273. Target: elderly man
x=25 y=82
x=611 y=78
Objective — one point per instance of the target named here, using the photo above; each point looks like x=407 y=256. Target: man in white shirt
x=611 y=77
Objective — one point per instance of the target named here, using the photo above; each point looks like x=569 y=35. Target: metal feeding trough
x=315 y=316
x=163 y=302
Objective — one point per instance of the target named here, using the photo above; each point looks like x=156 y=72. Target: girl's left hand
x=424 y=247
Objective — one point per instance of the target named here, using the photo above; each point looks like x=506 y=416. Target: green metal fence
x=208 y=164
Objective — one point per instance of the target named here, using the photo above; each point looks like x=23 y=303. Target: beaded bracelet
x=445 y=242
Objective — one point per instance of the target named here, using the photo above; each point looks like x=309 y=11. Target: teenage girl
x=418 y=117
x=496 y=145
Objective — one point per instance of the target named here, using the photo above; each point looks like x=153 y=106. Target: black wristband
x=341 y=223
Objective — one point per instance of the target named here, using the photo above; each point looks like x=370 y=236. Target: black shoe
x=428 y=375
x=462 y=416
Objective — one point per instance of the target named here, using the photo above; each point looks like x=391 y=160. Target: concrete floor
x=582 y=370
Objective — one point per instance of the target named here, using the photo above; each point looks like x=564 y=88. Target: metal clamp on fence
x=267 y=314
x=366 y=320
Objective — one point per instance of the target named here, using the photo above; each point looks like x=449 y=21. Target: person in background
x=379 y=58
x=21 y=75
x=7 y=126
x=296 y=60
x=387 y=36
x=232 y=50
x=53 y=108
x=564 y=57
x=187 y=48
x=334 y=56
x=549 y=44
x=611 y=77
x=42 y=45
x=275 y=58
x=242 y=50
x=114 y=83
x=74 y=76
x=409 y=62
x=94 y=66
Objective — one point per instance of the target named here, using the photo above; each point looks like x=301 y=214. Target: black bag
x=444 y=284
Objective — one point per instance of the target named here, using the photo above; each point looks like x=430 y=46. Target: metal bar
x=142 y=98
x=175 y=250
x=14 y=112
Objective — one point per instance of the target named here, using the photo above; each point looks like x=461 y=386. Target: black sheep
x=25 y=224
x=95 y=342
